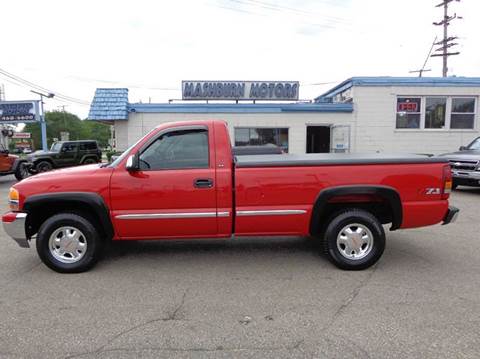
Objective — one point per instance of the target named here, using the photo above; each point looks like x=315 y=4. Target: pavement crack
x=172 y=316
x=219 y=348
x=350 y=298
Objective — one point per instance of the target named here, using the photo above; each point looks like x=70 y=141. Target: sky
x=73 y=47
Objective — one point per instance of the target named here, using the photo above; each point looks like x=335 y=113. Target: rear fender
x=354 y=194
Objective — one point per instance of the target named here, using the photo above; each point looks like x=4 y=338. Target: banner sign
x=22 y=135
x=19 y=111
x=240 y=90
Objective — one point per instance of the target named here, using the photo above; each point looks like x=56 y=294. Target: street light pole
x=43 y=123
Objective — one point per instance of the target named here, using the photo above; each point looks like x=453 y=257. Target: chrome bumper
x=16 y=228
x=474 y=175
x=451 y=216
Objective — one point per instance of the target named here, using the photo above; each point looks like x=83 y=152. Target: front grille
x=464 y=165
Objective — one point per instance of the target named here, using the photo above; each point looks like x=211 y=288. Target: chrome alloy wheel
x=67 y=244
x=355 y=241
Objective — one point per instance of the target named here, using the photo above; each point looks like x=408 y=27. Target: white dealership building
x=361 y=114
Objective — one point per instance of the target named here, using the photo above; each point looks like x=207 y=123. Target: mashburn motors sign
x=240 y=90
x=19 y=111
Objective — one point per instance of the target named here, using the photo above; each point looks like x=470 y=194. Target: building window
x=435 y=109
x=408 y=112
x=451 y=113
x=262 y=137
x=463 y=112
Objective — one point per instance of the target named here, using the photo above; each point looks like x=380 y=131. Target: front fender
x=86 y=201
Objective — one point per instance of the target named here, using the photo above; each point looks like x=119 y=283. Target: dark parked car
x=465 y=164
x=65 y=154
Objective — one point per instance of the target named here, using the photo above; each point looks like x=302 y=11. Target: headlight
x=13 y=199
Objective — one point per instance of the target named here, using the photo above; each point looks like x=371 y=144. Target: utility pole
x=446 y=43
x=43 y=124
x=4 y=139
x=64 y=118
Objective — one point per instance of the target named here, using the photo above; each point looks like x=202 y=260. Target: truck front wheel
x=68 y=243
x=354 y=240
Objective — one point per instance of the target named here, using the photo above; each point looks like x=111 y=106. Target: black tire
x=340 y=222
x=43 y=166
x=454 y=186
x=22 y=171
x=89 y=161
x=90 y=234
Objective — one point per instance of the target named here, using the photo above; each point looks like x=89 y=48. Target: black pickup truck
x=465 y=165
x=65 y=154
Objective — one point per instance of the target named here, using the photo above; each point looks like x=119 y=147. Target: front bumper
x=14 y=225
x=462 y=176
x=451 y=216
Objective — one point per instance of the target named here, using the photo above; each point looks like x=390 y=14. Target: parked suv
x=465 y=164
x=12 y=165
x=65 y=154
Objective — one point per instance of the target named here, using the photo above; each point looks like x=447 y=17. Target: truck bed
x=328 y=159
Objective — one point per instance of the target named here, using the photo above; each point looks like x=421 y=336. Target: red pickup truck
x=181 y=181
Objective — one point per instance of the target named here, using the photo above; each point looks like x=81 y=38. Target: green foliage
x=58 y=121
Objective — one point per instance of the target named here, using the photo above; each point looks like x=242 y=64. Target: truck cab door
x=172 y=193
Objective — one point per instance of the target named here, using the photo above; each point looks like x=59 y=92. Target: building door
x=318 y=139
x=340 y=142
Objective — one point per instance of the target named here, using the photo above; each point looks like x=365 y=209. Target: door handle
x=203 y=183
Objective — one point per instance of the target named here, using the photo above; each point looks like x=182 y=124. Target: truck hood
x=468 y=155
x=88 y=178
x=61 y=174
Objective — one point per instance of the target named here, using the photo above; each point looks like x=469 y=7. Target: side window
x=69 y=147
x=88 y=146
x=177 y=150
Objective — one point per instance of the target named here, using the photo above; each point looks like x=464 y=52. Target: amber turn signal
x=13 y=199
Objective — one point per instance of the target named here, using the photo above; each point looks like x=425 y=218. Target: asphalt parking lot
x=256 y=298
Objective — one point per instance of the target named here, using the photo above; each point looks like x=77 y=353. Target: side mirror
x=132 y=163
x=462 y=148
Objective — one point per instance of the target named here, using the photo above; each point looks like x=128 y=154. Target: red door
x=173 y=194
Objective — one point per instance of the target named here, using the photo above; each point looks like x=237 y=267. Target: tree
x=58 y=121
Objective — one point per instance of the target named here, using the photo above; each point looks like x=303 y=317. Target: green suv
x=65 y=154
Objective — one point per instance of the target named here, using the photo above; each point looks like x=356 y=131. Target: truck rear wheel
x=68 y=243
x=354 y=240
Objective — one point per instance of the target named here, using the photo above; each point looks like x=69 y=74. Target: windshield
x=475 y=145
x=56 y=147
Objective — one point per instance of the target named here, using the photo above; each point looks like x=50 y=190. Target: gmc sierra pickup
x=181 y=181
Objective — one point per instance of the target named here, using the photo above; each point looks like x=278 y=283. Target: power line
x=330 y=20
x=446 y=43
x=422 y=70
x=30 y=85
